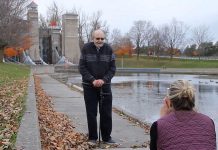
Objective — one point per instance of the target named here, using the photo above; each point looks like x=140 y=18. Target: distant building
x=52 y=43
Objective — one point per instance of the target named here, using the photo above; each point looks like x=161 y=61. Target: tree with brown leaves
x=12 y=25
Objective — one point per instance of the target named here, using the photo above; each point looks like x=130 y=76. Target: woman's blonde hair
x=181 y=95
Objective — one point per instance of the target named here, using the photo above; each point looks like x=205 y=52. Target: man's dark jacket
x=97 y=64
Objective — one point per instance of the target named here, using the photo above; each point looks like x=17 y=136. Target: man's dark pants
x=92 y=98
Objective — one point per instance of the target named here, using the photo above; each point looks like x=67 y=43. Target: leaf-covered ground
x=12 y=98
x=56 y=130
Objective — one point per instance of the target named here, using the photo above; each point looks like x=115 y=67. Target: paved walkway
x=71 y=103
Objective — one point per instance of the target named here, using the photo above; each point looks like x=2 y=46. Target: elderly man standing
x=97 y=67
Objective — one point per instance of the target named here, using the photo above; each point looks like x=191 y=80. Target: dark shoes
x=110 y=142
x=92 y=142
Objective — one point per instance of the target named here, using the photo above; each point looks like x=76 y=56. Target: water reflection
x=144 y=93
x=141 y=95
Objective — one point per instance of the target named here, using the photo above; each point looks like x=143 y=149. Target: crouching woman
x=180 y=127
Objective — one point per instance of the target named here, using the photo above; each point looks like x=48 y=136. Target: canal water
x=141 y=94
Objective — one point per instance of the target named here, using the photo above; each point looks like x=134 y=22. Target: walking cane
x=100 y=107
x=100 y=110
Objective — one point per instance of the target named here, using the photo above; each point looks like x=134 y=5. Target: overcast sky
x=121 y=14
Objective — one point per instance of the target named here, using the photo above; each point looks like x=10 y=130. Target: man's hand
x=98 y=83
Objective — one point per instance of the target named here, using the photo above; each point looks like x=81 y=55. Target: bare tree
x=140 y=33
x=12 y=24
x=42 y=22
x=201 y=35
x=54 y=15
x=136 y=34
x=149 y=33
x=95 y=22
x=87 y=24
x=157 y=41
x=115 y=38
x=174 y=35
x=82 y=22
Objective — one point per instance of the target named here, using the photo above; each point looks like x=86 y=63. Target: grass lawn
x=11 y=72
x=145 y=62
x=13 y=90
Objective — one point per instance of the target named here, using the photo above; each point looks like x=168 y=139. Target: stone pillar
x=32 y=17
x=70 y=37
x=56 y=44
